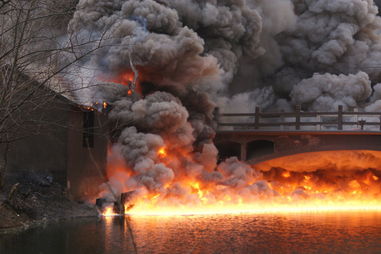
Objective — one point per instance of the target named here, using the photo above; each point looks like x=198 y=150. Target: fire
x=109 y=211
x=162 y=152
x=239 y=208
x=97 y=106
x=89 y=108
x=286 y=174
x=301 y=193
x=126 y=78
x=200 y=192
x=275 y=190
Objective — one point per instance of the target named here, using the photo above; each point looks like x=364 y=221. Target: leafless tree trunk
x=3 y=162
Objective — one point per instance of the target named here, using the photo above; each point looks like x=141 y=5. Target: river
x=358 y=232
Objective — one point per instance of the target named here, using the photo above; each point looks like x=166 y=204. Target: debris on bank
x=36 y=199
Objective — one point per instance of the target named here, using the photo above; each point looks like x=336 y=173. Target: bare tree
x=34 y=51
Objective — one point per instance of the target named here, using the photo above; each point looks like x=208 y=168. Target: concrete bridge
x=256 y=137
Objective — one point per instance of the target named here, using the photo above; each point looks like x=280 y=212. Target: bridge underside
x=255 y=147
x=341 y=160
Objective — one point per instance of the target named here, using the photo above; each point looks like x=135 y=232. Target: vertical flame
x=200 y=192
x=109 y=211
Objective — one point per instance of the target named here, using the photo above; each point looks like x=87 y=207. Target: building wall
x=86 y=165
x=51 y=143
x=41 y=141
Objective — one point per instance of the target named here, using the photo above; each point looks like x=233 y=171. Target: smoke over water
x=192 y=56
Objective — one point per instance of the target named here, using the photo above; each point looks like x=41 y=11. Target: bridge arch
x=298 y=154
x=324 y=160
x=228 y=149
x=259 y=147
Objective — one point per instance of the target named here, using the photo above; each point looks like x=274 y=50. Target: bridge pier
x=243 y=151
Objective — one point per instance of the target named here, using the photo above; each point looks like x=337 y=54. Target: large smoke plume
x=253 y=48
x=195 y=55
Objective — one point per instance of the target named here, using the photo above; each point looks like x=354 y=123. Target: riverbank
x=36 y=201
x=13 y=221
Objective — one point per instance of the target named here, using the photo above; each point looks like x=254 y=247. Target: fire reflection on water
x=346 y=232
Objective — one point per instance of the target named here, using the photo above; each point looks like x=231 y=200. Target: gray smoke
x=138 y=150
x=328 y=37
x=336 y=37
x=167 y=52
x=160 y=113
x=195 y=55
x=327 y=91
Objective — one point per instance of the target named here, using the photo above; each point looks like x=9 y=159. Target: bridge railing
x=300 y=120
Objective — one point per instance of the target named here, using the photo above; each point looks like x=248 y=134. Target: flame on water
x=345 y=187
x=109 y=211
x=313 y=207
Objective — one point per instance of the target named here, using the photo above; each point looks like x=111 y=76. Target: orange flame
x=354 y=196
x=108 y=212
x=162 y=152
x=276 y=190
x=124 y=78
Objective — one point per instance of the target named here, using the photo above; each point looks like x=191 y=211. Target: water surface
x=289 y=233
